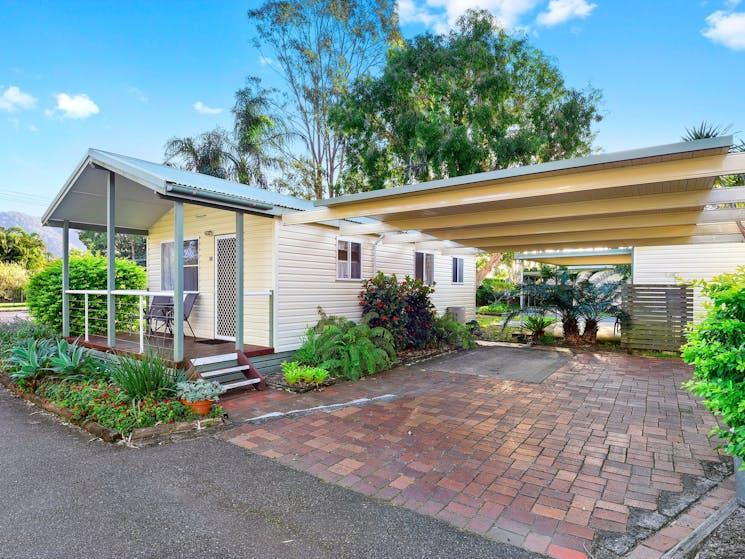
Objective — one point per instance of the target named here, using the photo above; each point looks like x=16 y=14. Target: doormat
x=213 y=342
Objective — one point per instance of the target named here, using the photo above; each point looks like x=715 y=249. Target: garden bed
x=278 y=381
x=106 y=433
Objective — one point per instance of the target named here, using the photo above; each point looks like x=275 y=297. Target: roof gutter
x=191 y=192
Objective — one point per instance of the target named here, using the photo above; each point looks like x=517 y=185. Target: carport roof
x=653 y=196
x=579 y=257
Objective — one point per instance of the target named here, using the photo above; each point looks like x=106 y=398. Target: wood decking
x=193 y=347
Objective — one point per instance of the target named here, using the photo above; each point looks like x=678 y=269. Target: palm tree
x=206 y=154
x=707 y=130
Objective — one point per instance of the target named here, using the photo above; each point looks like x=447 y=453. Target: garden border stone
x=142 y=434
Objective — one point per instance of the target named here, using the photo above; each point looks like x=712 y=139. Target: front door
x=225 y=287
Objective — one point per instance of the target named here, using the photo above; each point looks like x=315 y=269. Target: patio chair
x=189 y=301
x=159 y=314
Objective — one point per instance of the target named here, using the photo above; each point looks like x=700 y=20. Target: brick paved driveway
x=599 y=456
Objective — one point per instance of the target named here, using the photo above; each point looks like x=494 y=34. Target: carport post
x=110 y=258
x=238 y=281
x=65 y=278
x=178 y=281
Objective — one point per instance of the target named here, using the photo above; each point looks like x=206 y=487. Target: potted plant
x=716 y=349
x=199 y=395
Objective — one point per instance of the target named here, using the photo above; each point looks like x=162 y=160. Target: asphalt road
x=64 y=495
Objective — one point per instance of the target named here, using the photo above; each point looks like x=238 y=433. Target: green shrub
x=139 y=379
x=44 y=293
x=29 y=362
x=493 y=290
x=294 y=372
x=450 y=332
x=716 y=349
x=495 y=308
x=347 y=349
x=404 y=309
x=13 y=280
x=13 y=333
x=536 y=324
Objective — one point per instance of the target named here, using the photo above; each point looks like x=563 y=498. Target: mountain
x=52 y=236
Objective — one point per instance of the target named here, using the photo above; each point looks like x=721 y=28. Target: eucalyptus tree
x=318 y=47
x=471 y=100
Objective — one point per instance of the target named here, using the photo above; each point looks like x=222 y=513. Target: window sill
x=349 y=280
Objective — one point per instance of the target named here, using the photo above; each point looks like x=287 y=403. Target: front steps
x=231 y=370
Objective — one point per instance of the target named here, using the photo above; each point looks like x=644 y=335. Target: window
x=457 y=270
x=348 y=260
x=424 y=267
x=191 y=265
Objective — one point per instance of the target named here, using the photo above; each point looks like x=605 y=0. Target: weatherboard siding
x=306 y=278
x=669 y=264
x=258 y=272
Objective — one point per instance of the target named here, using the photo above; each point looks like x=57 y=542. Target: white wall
x=306 y=278
x=668 y=264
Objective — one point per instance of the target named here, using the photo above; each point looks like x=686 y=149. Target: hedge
x=44 y=293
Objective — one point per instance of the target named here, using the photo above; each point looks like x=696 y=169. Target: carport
x=661 y=195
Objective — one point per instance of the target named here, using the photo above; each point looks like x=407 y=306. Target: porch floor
x=129 y=343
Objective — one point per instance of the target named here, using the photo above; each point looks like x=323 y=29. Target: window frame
x=425 y=269
x=349 y=242
x=197 y=265
x=458 y=269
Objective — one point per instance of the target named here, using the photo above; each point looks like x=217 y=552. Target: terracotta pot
x=202 y=407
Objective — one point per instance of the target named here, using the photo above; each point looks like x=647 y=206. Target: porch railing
x=126 y=319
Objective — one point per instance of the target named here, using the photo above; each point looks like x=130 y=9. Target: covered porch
x=116 y=194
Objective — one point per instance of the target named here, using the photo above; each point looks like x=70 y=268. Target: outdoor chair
x=189 y=301
x=159 y=314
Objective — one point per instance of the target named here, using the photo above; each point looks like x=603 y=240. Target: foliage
x=347 y=349
x=71 y=361
x=127 y=246
x=404 y=309
x=450 y=333
x=18 y=331
x=598 y=295
x=200 y=389
x=149 y=376
x=586 y=296
x=495 y=308
x=44 y=293
x=557 y=294
x=493 y=290
x=716 y=349
x=19 y=247
x=708 y=130
x=319 y=47
x=13 y=280
x=473 y=100
x=294 y=372
x=28 y=362
x=108 y=406
x=536 y=324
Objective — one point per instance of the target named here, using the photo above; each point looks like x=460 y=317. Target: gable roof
x=145 y=192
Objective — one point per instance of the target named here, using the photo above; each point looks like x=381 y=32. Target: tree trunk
x=571 y=330
x=487 y=268
x=590 y=335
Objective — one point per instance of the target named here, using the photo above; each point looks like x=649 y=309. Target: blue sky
x=127 y=76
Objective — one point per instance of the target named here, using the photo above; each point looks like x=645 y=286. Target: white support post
x=65 y=278
x=239 y=281
x=141 y=321
x=178 y=282
x=111 y=258
x=86 y=317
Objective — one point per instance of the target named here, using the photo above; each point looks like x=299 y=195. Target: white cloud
x=33 y=128
x=727 y=29
x=441 y=15
x=265 y=61
x=138 y=94
x=205 y=110
x=77 y=106
x=561 y=11
x=13 y=99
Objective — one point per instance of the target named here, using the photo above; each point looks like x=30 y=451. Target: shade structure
x=652 y=196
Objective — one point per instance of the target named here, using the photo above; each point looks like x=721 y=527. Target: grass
x=14 y=306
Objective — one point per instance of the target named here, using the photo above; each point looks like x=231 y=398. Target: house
x=287 y=271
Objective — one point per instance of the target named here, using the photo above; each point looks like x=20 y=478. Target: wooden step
x=239 y=383
x=200 y=361
x=220 y=372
